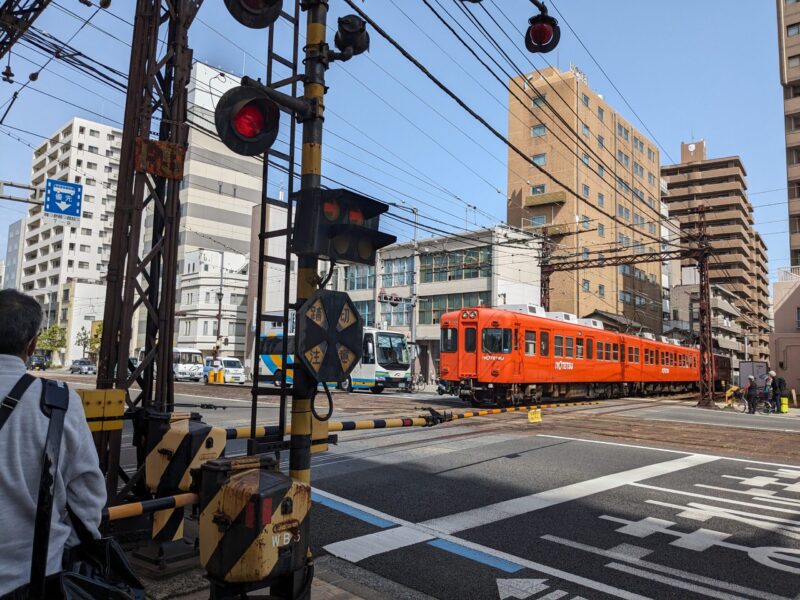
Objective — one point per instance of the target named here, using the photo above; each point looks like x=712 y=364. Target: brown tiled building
x=606 y=200
x=739 y=259
x=789 y=50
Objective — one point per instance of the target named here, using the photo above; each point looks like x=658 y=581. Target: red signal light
x=356 y=216
x=541 y=33
x=248 y=122
x=331 y=210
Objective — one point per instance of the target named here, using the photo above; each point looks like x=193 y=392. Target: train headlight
x=465 y=315
x=473 y=315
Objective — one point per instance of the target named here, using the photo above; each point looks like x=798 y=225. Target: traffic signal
x=543 y=33
x=247 y=120
x=256 y=14
x=340 y=225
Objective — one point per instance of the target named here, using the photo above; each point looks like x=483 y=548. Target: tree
x=97 y=337
x=82 y=340
x=52 y=339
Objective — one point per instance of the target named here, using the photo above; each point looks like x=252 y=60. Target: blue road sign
x=63 y=199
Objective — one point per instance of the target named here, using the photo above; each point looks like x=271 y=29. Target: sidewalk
x=334 y=579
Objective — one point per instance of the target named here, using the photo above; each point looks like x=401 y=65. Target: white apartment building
x=2 y=273
x=487 y=267
x=55 y=253
x=207 y=274
x=12 y=269
x=81 y=306
x=217 y=196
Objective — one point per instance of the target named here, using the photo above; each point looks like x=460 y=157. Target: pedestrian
x=778 y=389
x=751 y=394
x=78 y=482
x=768 y=391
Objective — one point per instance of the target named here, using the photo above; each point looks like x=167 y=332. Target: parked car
x=234 y=371
x=83 y=366
x=37 y=363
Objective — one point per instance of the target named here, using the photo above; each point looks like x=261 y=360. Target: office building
x=56 y=253
x=605 y=197
x=739 y=258
x=789 y=63
x=12 y=270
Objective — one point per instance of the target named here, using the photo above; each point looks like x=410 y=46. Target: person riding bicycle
x=751 y=394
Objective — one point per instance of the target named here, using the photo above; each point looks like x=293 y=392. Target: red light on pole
x=543 y=33
x=356 y=216
x=249 y=121
x=331 y=210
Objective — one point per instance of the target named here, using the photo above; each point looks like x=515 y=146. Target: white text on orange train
x=562 y=365
x=664 y=371
x=493 y=357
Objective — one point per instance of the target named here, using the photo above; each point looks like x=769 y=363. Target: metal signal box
x=174 y=444
x=252 y=520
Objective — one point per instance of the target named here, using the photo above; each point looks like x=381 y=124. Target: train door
x=469 y=365
x=545 y=350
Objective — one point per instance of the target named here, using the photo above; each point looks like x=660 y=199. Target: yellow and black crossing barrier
x=135 y=509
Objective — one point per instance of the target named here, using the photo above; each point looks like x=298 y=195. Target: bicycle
x=765 y=406
x=734 y=399
x=416 y=383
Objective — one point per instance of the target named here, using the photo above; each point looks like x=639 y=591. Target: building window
x=538 y=189
x=586 y=131
x=585 y=100
x=431 y=308
x=539 y=159
x=94 y=133
x=638 y=169
x=538 y=130
x=794 y=224
x=537 y=221
x=585 y=190
x=585 y=159
x=623 y=132
x=794 y=61
x=601 y=114
x=793 y=30
x=601 y=230
x=398 y=271
x=601 y=199
x=601 y=290
x=585 y=222
x=585 y=254
x=539 y=101
x=205 y=327
x=585 y=285
x=797 y=325
x=624 y=212
x=601 y=142
x=651 y=155
x=366 y=308
x=456 y=265
x=359 y=277
x=399 y=315
x=623 y=158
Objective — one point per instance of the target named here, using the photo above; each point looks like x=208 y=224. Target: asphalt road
x=494 y=507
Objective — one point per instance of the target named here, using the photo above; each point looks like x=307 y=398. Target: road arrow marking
x=63 y=205
x=520 y=588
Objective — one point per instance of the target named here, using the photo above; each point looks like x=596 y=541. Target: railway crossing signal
x=255 y=14
x=247 y=120
x=341 y=225
x=543 y=32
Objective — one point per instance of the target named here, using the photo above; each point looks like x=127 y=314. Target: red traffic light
x=543 y=33
x=356 y=216
x=247 y=120
x=256 y=14
x=331 y=210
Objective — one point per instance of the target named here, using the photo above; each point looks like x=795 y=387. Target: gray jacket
x=79 y=479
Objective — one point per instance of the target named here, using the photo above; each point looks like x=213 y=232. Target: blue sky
x=689 y=69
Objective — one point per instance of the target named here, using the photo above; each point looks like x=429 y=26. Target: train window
x=636 y=355
x=449 y=339
x=558 y=346
x=608 y=351
x=630 y=354
x=470 y=339
x=569 y=347
x=599 y=350
x=544 y=343
x=589 y=348
x=615 y=352
x=579 y=348
x=530 y=343
x=496 y=341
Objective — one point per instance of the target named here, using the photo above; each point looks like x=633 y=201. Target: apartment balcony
x=729 y=344
x=730 y=326
x=559 y=197
x=793 y=138
x=723 y=171
x=793 y=171
x=791 y=105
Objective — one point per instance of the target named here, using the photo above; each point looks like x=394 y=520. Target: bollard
x=784 y=404
x=220 y=375
x=535 y=415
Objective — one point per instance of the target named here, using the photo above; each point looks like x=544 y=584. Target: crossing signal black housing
x=543 y=33
x=340 y=225
x=247 y=120
x=352 y=35
x=255 y=14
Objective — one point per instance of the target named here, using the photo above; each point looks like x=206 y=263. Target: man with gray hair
x=79 y=481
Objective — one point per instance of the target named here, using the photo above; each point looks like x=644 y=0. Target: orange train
x=507 y=357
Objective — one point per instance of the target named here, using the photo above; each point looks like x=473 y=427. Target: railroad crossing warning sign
x=329 y=335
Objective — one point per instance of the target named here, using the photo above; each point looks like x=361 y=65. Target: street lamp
x=219 y=323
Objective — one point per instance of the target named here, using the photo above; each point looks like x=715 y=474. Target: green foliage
x=82 y=340
x=97 y=337
x=52 y=339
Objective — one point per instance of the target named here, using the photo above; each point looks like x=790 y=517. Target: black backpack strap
x=12 y=399
x=84 y=535
x=54 y=401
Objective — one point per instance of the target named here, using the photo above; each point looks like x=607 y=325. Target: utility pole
x=706 y=335
x=220 y=295
x=414 y=295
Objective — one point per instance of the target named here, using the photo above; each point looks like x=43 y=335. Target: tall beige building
x=739 y=260
x=606 y=200
x=789 y=50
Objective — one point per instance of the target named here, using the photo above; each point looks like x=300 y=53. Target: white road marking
x=716 y=498
x=639 y=447
x=755 y=493
x=626 y=557
x=718 y=424
x=520 y=588
x=518 y=506
x=542 y=568
x=650 y=576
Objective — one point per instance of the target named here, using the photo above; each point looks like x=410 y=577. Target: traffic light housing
x=543 y=33
x=340 y=225
x=255 y=14
x=247 y=120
